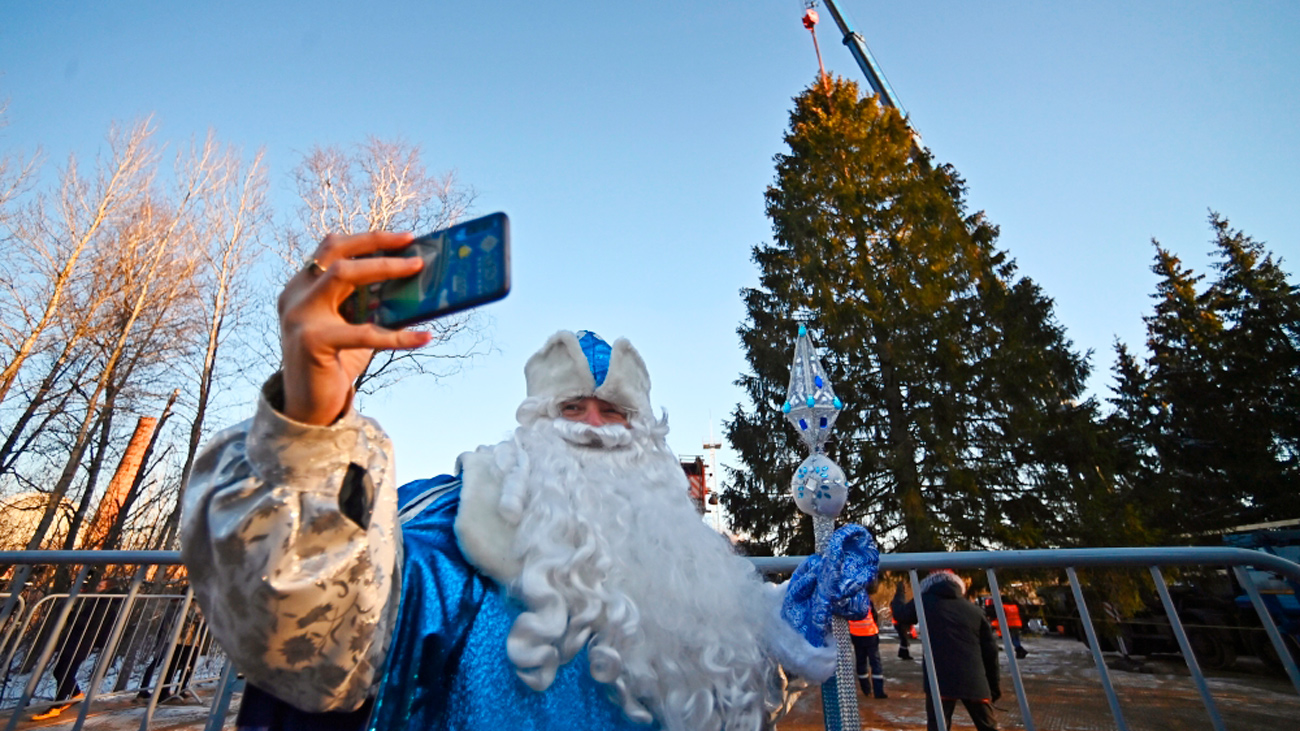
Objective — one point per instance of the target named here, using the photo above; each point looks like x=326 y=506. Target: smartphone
x=465 y=266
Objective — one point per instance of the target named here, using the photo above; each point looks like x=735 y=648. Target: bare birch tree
x=148 y=241
x=158 y=339
x=383 y=185
x=56 y=240
x=155 y=290
x=229 y=245
x=63 y=358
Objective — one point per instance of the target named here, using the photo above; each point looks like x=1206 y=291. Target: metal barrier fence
x=30 y=639
x=1152 y=559
x=123 y=628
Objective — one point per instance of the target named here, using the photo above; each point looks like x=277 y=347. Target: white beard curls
x=615 y=559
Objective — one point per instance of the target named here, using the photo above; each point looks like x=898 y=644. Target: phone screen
x=465 y=265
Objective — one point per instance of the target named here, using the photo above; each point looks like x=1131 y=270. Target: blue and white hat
x=574 y=365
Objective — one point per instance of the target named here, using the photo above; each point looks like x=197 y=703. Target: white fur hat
x=573 y=365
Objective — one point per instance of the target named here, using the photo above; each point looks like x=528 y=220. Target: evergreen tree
x=962 y=424
x=1184 y=411
x=1216 y=442
x=1259 y=376
x=1129 y=424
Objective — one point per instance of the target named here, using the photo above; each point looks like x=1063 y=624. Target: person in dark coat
x=90 y=623
x=896 y=607
x=965 y=653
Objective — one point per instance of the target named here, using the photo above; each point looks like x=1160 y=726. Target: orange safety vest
x=864 y=627
x=1013 y=618
x=1013 y=615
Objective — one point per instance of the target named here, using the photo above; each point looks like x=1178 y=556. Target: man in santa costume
x=558 y=580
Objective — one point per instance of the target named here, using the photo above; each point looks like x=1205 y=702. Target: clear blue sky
x=631 y=144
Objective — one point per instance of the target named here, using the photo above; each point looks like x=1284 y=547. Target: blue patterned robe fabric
x=447 y=668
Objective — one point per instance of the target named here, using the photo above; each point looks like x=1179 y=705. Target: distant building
x=20 y=514
x=699 y=489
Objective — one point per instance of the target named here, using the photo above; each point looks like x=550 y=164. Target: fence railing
x=163 y=629
x=127 y=626
x=1152 y=559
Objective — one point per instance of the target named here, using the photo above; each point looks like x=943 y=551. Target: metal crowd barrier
x=144 y=644
x=41 y=627
x=1152 y=559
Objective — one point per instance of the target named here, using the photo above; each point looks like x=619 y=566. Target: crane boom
x=875 y=77
x=862 y=54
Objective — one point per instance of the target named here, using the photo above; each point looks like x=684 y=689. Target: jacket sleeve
x=290 y=537
x=989 y=653
x=907 y=615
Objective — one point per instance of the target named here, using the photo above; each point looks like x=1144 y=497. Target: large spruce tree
x=1211 y=421
x=962 y=424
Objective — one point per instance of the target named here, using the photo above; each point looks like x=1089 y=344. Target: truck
x=1281 y=596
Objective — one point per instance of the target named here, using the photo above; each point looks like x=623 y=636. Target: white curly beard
x=615 y=559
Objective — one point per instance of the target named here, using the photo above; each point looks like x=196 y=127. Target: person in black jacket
x=965 y=653
x=896 y=607
x=88 y=628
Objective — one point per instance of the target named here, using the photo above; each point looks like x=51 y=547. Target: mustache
x=610 y=436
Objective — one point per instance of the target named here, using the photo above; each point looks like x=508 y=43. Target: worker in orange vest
x=1013 y=626
x=865 y=634
x=1014 y=623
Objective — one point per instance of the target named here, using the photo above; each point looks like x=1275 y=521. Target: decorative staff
x=820 y=490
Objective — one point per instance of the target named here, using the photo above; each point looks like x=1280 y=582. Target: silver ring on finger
x=312 y=267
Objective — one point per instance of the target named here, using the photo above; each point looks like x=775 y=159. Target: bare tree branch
x=383 y=185
x=230 y=243
x=86 y=207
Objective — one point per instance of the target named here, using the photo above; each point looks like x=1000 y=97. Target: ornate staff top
x=811 y=406
x=820 y=490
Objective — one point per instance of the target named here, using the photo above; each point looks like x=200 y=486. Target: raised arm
x=289 y=519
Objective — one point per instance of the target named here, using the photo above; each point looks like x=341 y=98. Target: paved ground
x=1061 y=684
x=116 y=714
x=1063 y=689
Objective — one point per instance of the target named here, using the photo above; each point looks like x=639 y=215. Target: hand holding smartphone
x=465 y=266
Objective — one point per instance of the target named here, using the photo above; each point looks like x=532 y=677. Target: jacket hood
x=944 y=582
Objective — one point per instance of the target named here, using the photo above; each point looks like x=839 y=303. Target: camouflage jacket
x=289 y=533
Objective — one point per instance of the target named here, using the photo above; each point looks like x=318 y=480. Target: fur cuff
x=484 y=537
x=796 y=655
